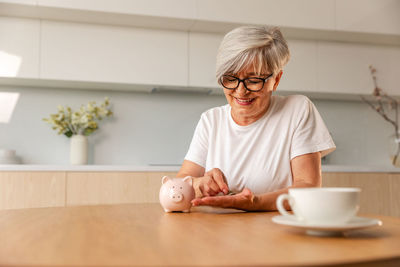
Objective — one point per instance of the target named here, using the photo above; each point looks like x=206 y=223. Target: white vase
x=394 y=149
x=79 y=150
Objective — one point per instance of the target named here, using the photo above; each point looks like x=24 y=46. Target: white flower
x=83 y=121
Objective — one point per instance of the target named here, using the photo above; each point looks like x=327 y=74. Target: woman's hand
x=212 y=183
x=245 y=200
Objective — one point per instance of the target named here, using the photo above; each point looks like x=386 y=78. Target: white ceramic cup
x=329 y=205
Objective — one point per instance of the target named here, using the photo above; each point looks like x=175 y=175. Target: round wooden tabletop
x=143 y=235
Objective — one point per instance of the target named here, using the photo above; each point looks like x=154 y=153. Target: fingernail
x=225 y=191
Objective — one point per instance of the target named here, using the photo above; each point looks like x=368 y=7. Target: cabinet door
x=31 y=189
x=94 y=188
x=203 y=49
x=19 y=47
x=377 y=16
x=344 y=67
x=378 y=195
x=313 y=14
x=88 y=52
x=300 y=74
x=168 y=8
x=23 y=2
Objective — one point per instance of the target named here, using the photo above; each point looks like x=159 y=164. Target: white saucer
x=327 y=230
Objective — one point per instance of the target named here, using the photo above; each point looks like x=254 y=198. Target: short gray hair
x=262 y=47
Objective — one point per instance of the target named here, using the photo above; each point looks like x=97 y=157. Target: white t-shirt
x=257 y=156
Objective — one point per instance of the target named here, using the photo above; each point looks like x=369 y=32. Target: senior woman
x=258 y=145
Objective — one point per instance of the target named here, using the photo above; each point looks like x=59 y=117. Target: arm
x=190 y=168
x=204 y=183
x=306 y=172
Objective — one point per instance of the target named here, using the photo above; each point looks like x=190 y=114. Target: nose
x=241 y=90
x=176 y=196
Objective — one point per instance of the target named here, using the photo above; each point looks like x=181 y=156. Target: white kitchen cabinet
x=313 y=14
x=32 y=189
x=300 y=74
x=374 y=16
x=167 y=8
x=19 y=47
x=163 y=14
x=97 y=53
x=344 y=67
x=23 y=2
x=203 y=49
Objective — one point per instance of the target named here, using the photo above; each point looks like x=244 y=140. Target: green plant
x=84 y=121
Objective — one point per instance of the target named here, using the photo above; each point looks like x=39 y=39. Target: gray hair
x=262 y=47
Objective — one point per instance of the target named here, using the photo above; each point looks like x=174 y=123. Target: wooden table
x=143 y=235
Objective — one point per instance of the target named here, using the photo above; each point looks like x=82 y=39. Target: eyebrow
x=249 y=74
x=253 y=73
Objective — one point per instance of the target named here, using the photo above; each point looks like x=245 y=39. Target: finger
x=199 y=202
x=196 y=202
x=203 y=190
x=219 y=201
x=213 y=186
x=210 y=191
x=220 y=179
x=248 y=194
x=206 y=191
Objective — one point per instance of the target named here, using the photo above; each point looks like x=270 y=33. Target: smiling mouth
x=244 y=101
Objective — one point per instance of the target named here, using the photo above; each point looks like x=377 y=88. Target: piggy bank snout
x=176 y=196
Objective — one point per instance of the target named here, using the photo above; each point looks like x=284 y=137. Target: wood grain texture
x=394 y=194
x=94 y=188
x=143 y=235
x=31 y=189
x=380 y=191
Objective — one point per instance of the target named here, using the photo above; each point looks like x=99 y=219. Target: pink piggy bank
x=176 y=194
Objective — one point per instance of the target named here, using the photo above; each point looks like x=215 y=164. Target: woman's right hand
x=212 y=183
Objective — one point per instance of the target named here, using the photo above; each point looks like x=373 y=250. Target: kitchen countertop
x=90 y=168
x=170 y=168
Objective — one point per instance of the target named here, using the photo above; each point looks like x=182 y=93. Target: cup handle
x=279 y=204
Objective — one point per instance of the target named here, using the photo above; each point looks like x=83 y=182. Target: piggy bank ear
x=188 y=179
x=165 y=179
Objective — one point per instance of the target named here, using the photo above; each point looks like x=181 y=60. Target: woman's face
x=247 y=106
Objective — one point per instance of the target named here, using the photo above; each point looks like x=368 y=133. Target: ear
x=188 y=179
x=277 y=80
x=165 y=179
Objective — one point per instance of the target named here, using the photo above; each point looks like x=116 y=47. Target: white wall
x=157 y=128
x=360 y=134
x=147 y=128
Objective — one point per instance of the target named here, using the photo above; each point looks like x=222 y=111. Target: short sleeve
x=198 y=149
x=311 y=135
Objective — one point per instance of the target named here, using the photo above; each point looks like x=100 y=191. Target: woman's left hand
x=244 y=200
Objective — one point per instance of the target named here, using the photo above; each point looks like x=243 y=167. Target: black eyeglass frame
x=240 y=80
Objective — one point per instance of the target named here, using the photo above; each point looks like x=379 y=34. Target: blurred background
x=155 y=60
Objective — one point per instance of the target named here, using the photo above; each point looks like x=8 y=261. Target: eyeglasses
x=251 y=84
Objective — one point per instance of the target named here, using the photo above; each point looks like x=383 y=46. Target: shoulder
x=293 y=104
x=293 y=108
x=215 y=114
x=292 y=100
